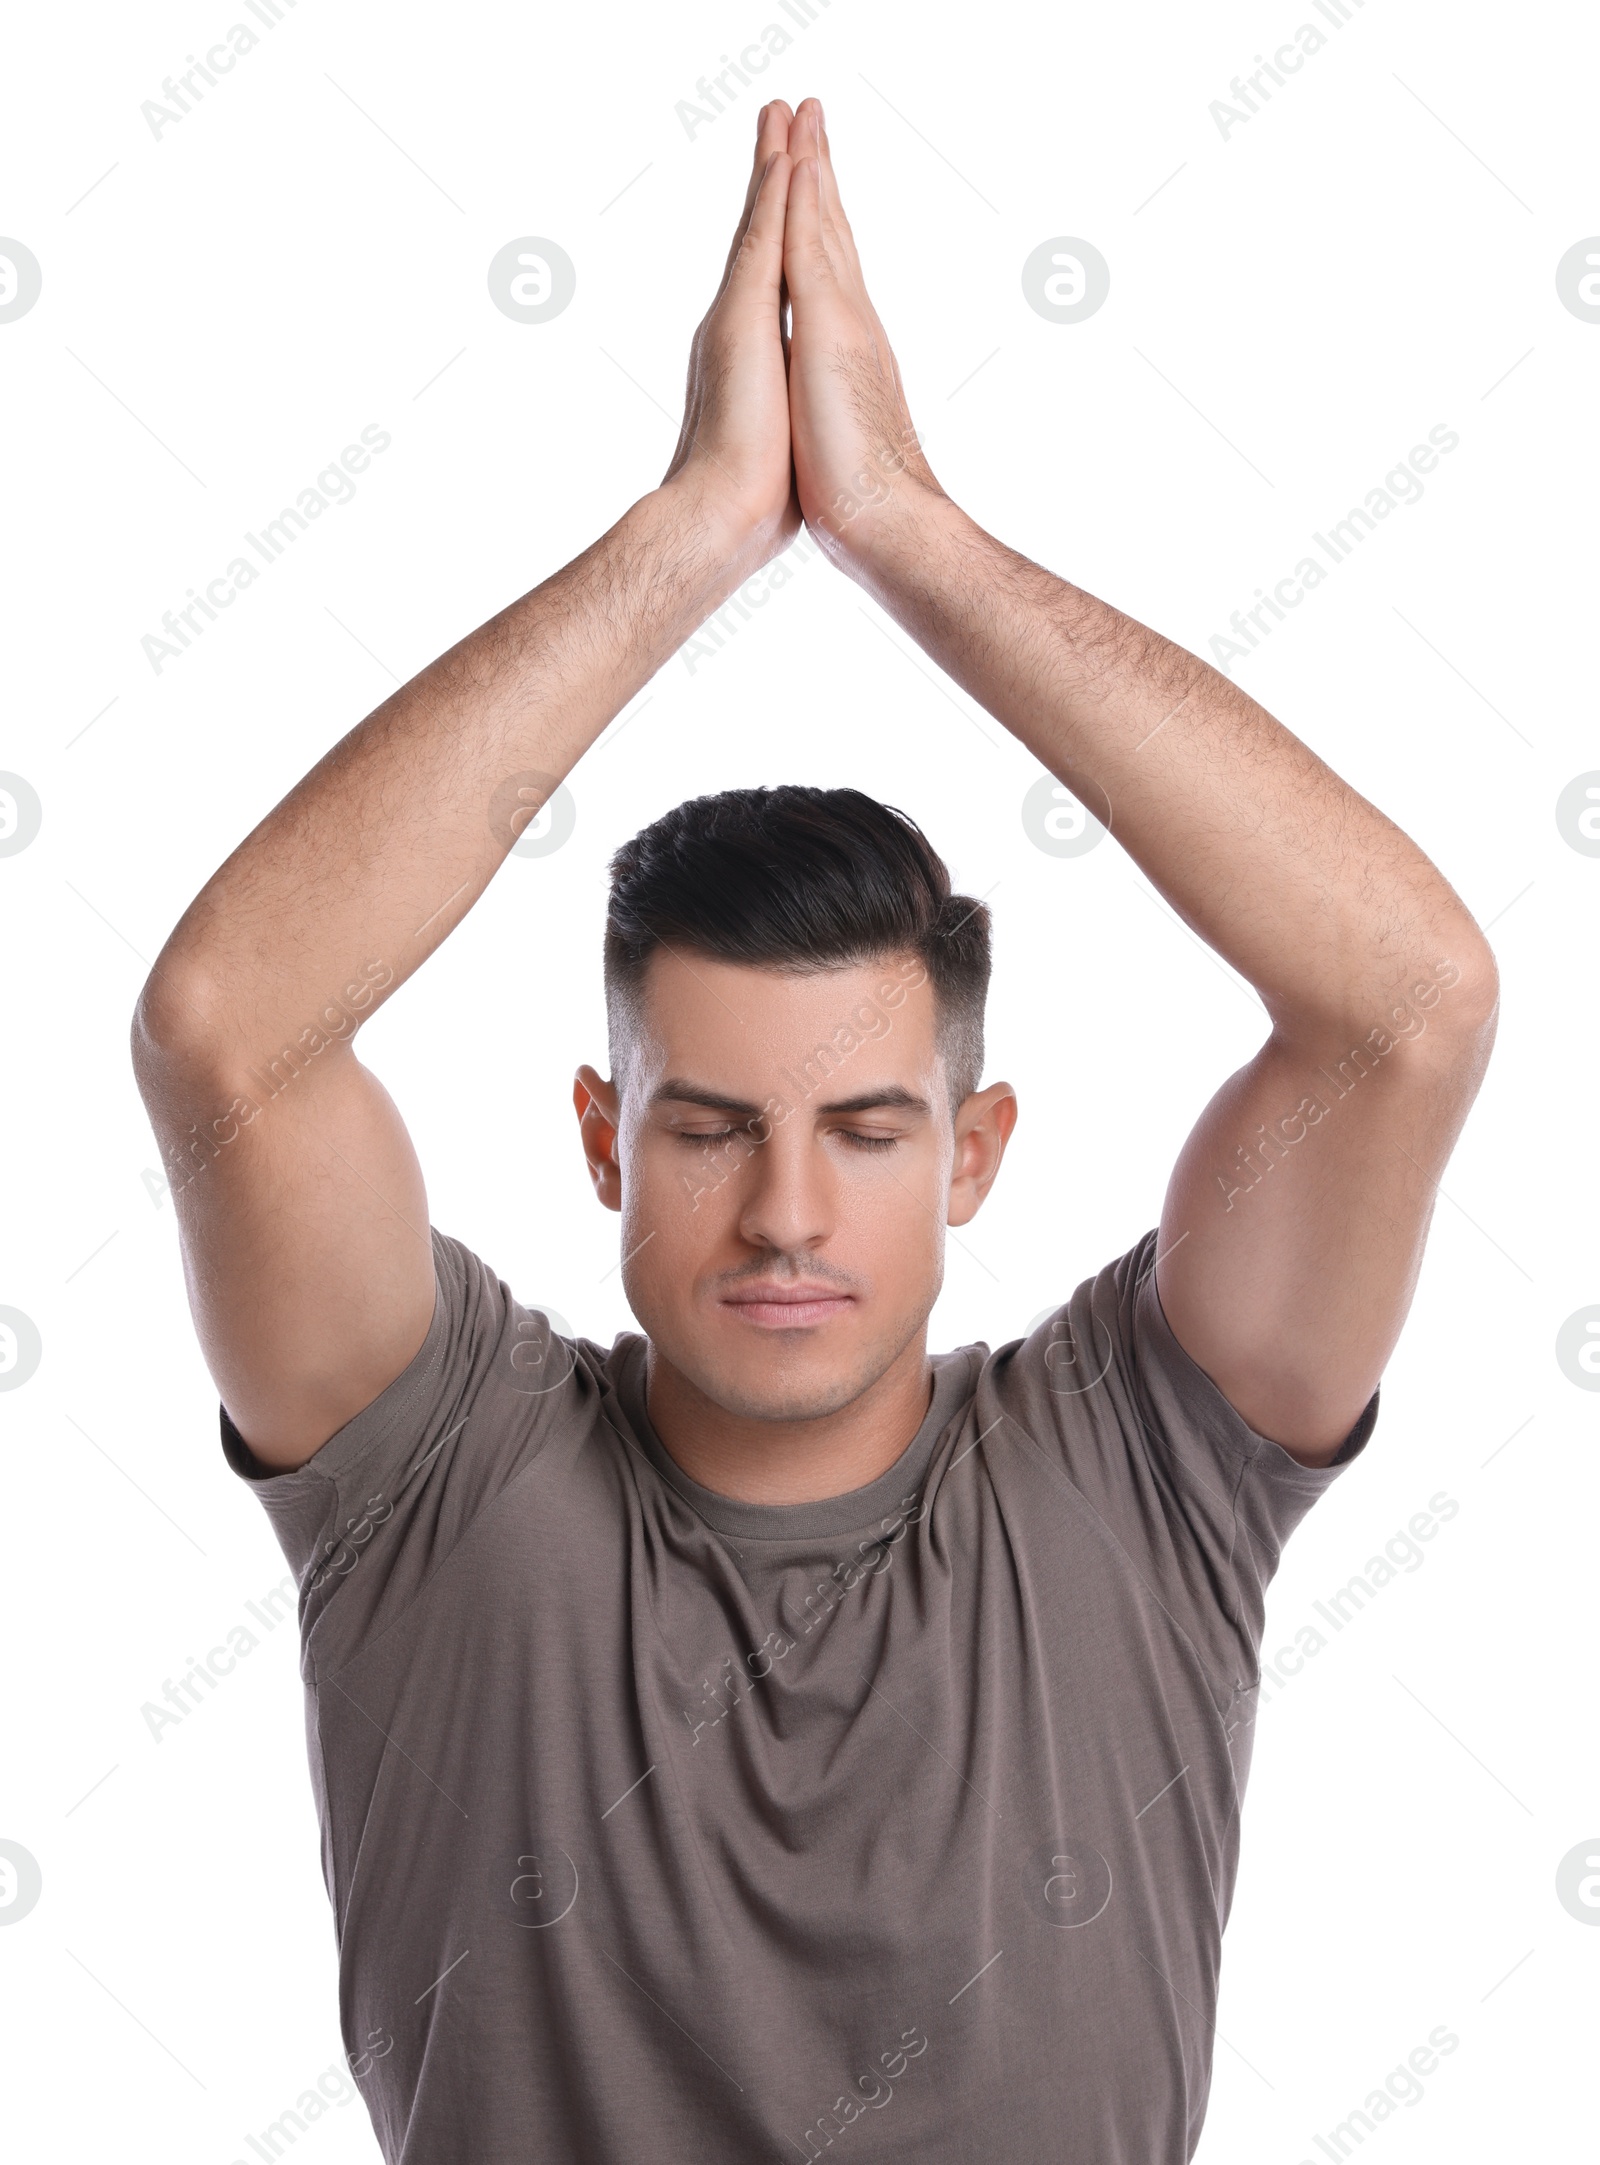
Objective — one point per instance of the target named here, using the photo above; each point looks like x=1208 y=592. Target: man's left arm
x=1294 y=1223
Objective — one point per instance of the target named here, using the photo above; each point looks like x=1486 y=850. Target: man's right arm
x=300 y=1203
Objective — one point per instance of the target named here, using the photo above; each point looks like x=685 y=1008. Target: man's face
x=785 y=1162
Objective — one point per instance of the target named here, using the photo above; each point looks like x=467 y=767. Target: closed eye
x=854 y=1136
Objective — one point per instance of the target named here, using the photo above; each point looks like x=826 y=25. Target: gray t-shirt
x=662 y=1826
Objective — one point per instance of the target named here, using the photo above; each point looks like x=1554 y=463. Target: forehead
x=729 y=1023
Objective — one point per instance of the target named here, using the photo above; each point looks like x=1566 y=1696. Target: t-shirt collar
x=954 y=1380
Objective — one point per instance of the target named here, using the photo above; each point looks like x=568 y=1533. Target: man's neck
x=754 y=1459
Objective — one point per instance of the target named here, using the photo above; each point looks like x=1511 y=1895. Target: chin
x=767 y=1381
x=768 y=1399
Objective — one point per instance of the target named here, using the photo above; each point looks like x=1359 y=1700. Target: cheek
x=677 y=1199
x=892 y=1208
x=675 y=1221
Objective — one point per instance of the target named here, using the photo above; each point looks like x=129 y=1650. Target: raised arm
x=1294 y=1223
x=300 y=1203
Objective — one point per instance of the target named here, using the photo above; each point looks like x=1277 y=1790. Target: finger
x=805 y=131
x=757 y=269
x=832 y=205
x=772 y=136
x=805 y=250
x=808 y=139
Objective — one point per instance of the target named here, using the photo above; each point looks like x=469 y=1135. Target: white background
x=1296 y=307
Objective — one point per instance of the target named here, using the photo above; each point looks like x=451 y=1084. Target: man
x=763 y=1726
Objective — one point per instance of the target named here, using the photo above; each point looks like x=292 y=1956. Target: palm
x=851 y=432
x=735 y=435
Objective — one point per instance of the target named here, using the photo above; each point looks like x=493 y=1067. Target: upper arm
x=1294 y=1223
x=303 y=1221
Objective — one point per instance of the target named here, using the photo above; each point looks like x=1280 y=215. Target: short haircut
x=797 y=880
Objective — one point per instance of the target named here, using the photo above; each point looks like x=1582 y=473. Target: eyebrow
x=679 y=1090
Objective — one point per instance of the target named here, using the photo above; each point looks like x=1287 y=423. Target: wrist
x=732 y=541
x=900 y=533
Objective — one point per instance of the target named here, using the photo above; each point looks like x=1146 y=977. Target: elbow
x=1460 y=1019
x=1444 y=1011
x=173 y=1027
x=1471 y=1007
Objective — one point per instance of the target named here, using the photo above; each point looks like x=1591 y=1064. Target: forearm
x=377 y=854
x=1322 y=903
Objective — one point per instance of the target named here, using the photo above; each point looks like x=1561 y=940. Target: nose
x=787 y=1197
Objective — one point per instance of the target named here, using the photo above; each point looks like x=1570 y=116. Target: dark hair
x=797 y=879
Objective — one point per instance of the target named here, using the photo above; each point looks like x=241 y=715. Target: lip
x=788 y=1307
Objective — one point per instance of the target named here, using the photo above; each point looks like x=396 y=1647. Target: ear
x=983 y=1127
x=599 y=1115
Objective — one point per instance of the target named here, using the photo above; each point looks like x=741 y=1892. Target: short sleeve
x=1197 y=1501
x=382 y=1505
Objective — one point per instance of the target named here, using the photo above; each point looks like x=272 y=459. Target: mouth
x=787 y=1308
